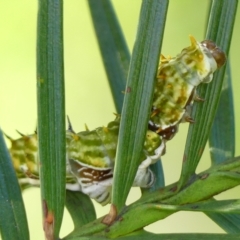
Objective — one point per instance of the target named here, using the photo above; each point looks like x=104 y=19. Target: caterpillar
x=90 y=160
x=91 y=154
x=176 y=83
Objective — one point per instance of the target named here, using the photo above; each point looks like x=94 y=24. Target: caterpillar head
x=204 y=58
x=216 y=52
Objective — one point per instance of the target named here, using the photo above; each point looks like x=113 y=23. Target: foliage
x=193 y=192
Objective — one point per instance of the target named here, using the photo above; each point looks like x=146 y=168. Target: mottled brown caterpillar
x=91 y=154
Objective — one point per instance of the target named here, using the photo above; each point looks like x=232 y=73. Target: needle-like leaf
x=80 y=208
x=51 y=113
x=115 y=54
x=220 y=26
x=137 y=101
x=13 y=220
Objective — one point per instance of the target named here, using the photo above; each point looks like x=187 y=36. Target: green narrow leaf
x=80 y=208
x=209 y=183
x=222 y=16
x=13 y=220
x=137 y=101
x=228 y=222
x=225 y=142
x=220 y=206
x=222 y=146
x=115 y=54
x=222 y=136
x=51 y=113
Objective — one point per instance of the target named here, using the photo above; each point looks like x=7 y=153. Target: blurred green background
x=88 y=97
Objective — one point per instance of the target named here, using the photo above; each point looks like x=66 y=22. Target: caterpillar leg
x=145 y=177
x=99 y=191
x=160 y=151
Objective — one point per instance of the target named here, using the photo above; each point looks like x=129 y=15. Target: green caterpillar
x=91 y=154
x=90 y=160
x=176 y=83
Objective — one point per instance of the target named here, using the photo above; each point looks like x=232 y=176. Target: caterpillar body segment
x=176 y=83
x=89 y=161
x=93 y=181
x=24 y=154
x=92 y=159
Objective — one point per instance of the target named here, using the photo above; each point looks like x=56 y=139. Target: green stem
x=164 y=202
